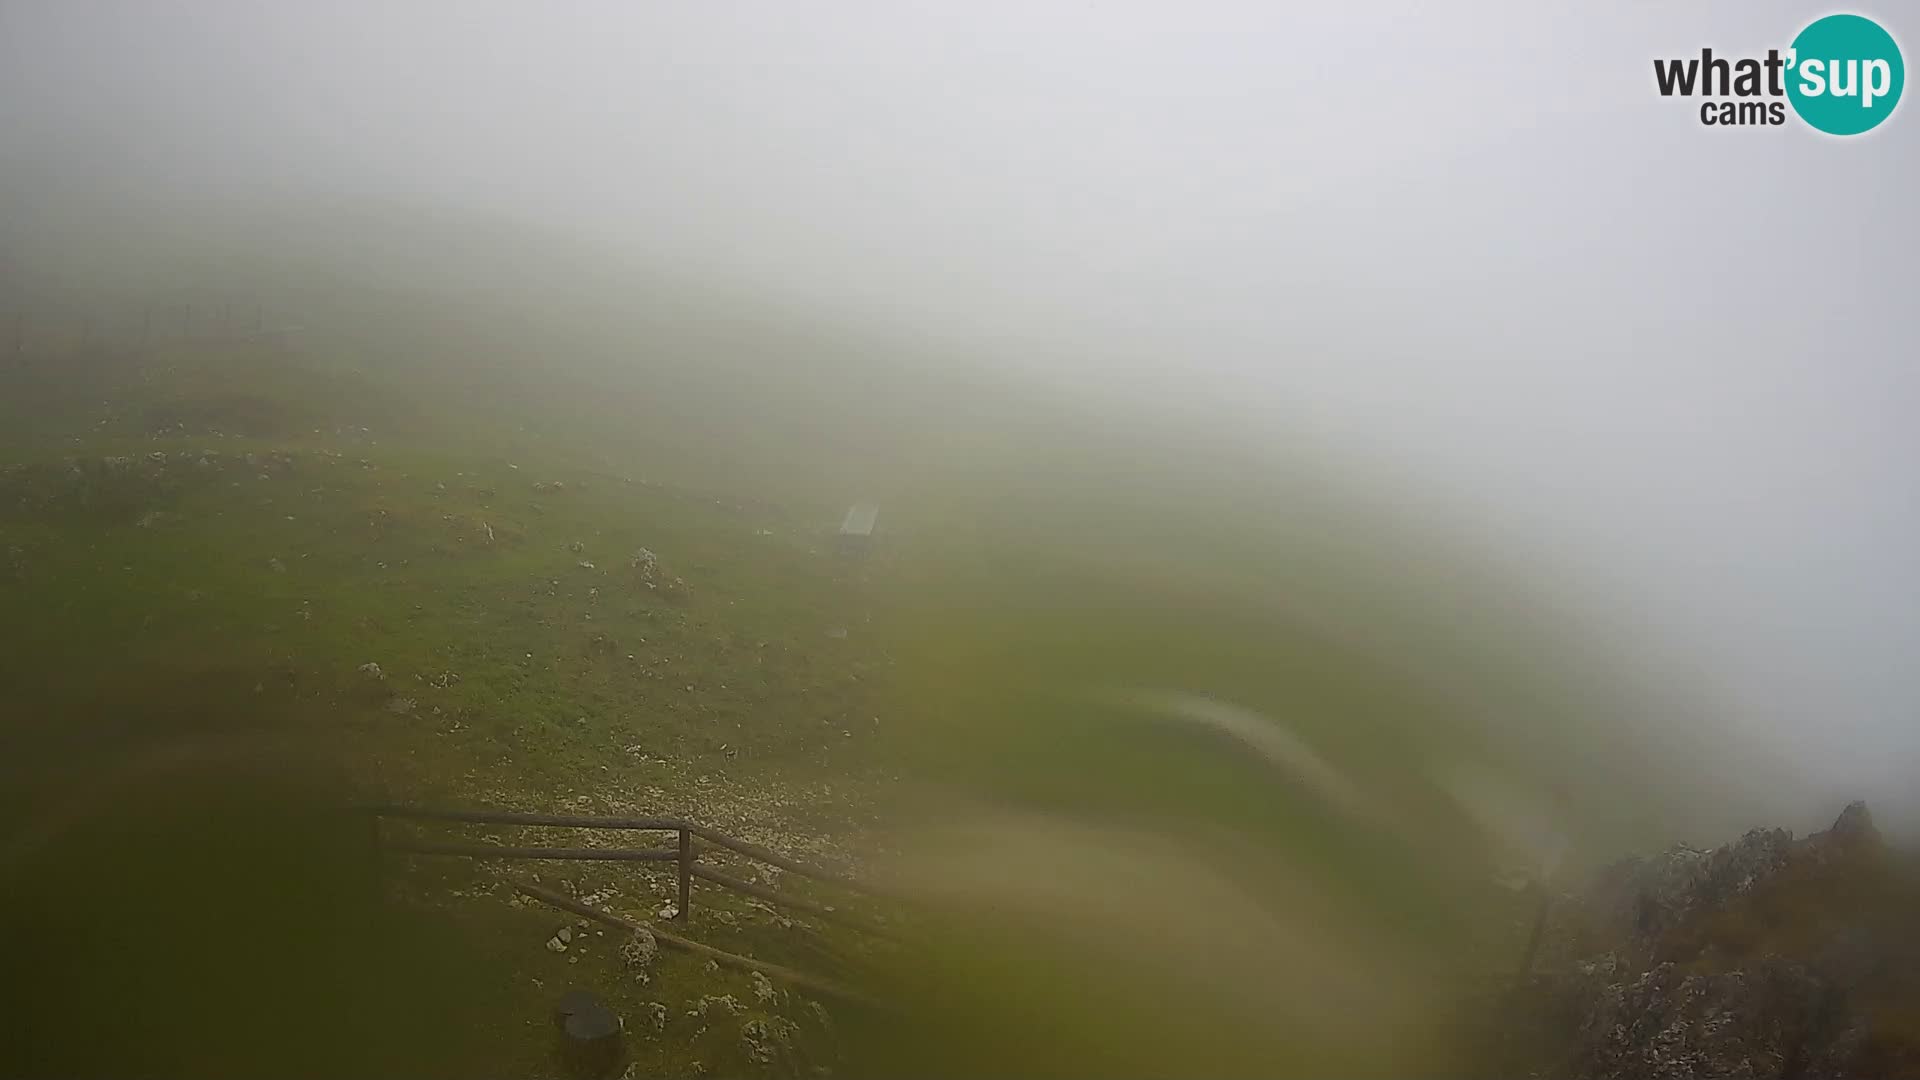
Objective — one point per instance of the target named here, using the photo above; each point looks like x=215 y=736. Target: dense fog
x=1399 y=331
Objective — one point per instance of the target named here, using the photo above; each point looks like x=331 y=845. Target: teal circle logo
x=1845 y=74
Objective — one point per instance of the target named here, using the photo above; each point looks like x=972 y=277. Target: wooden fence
x=683 y=854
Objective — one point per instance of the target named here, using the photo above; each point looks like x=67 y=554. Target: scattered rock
x=276 y=566
x=555 y=945
x=758 y=1040
x=370 y=670
x=726 y=1001
x=647 y=564
x=638 y=953
x=764 y=1038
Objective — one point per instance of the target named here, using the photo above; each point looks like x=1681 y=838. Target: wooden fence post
x=686 y=873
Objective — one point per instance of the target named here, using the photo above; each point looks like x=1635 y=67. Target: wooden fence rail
x=683 y=853
x=734 y=960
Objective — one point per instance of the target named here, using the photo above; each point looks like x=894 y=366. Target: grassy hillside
x=195 y=582
x=1166 y=740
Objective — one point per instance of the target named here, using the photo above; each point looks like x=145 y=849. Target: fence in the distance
x=683 y=854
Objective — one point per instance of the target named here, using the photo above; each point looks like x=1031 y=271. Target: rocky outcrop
x=1639 y=901
x=1669 y=1025
x=1767 y=958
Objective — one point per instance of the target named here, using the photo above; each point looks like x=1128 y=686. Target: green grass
x=156 y=604
x=319 y=562
x=827 y=707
